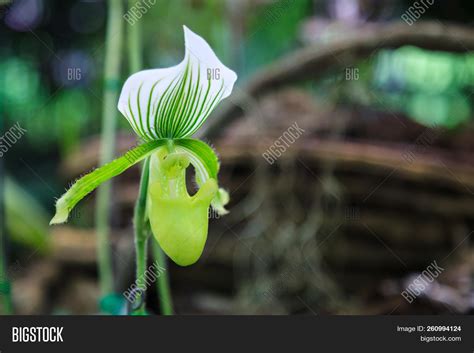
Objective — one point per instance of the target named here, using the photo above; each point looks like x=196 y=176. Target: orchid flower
x=165 y=107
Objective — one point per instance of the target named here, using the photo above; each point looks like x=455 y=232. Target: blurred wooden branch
x=314 y=62
x=364 y=156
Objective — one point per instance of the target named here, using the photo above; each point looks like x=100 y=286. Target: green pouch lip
x=179 y=222
x=180 y=227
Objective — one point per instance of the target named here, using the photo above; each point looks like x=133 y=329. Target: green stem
x=162 y=285
x=111 y=93
x=135 y=50
x=5 y=292
x=134 y=43
x=141 y=236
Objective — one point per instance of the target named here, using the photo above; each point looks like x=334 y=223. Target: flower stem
x=111 y=92
x=135 y=50
x=141 y=236
x=139 y=221
x=162 y=285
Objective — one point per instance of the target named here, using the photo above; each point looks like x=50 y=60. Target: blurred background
x=376 y=187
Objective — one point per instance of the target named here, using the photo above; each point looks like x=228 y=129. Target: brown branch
x=432 y=165
x=314 y=62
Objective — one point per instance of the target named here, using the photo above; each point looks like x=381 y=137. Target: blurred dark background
x=378 y=187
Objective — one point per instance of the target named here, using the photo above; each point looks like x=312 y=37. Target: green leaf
x=88 y=183
x=26 y=219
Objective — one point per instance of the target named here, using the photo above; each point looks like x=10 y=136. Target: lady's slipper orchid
x=165 y=107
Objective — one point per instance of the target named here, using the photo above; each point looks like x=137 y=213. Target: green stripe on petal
x=89 y=182
x=182 y=97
